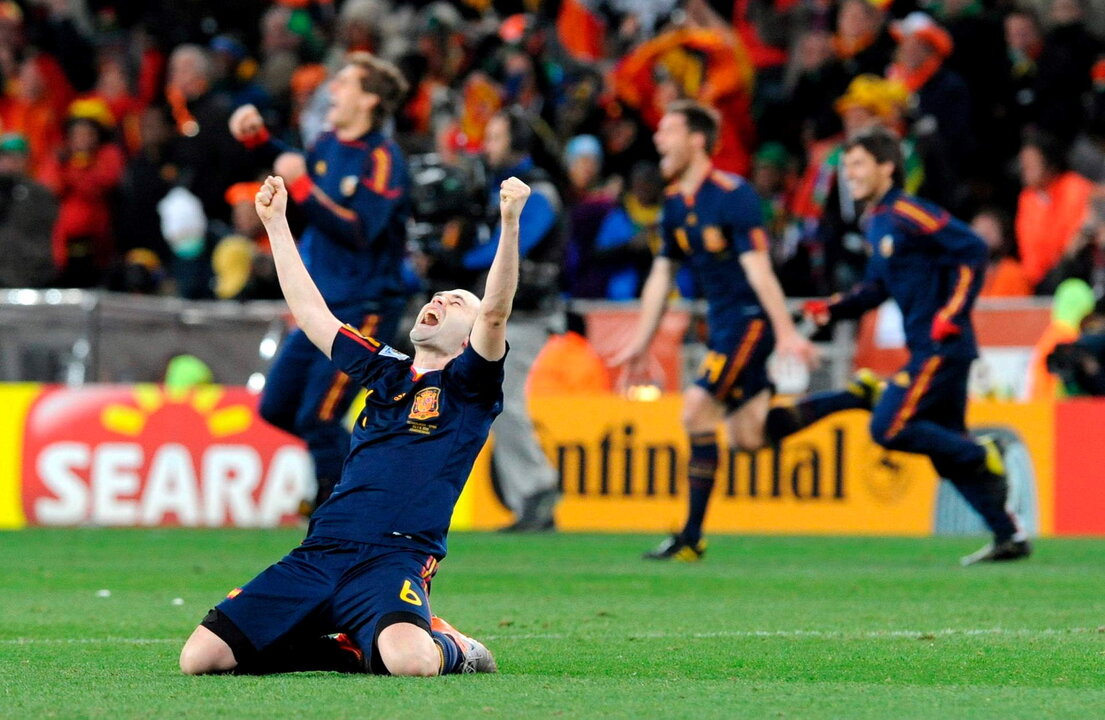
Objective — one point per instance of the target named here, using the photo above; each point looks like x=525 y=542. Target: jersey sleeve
x=670 y=247
x=361 y=357
x=476 y=377
x=746 y=220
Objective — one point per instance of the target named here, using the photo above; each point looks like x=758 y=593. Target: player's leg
x=251 y=630
x=384 y=604
x=526 y=478
x=922 y=411
x=861 y=393
x=285 y=380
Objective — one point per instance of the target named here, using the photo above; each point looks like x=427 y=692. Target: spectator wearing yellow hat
x=83 y=176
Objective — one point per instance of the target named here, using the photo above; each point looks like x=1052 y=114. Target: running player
x=365 y=566
x=932 y=265
x=352 y=187
x=713 y=221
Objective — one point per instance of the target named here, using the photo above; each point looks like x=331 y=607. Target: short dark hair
x=885 y=146
x=383 y=80
x=700 y=119
x=1053 y=150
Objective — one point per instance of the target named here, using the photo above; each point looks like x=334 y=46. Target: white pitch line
x=837 y=634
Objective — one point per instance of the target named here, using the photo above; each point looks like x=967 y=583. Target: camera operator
x=1080 y=365
x=1084 y=257
x=526 y=479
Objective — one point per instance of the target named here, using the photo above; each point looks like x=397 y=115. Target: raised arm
x=306 y=303
x=489 y=332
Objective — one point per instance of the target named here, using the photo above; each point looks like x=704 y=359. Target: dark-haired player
x=713 y=221
x=352 y=187
x=932 y=265
x=365 y=566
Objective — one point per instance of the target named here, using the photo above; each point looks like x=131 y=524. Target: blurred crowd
x=117 y=168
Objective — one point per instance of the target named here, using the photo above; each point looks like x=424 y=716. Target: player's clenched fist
x=246 y=123
x=271 y=200
x=513 y=194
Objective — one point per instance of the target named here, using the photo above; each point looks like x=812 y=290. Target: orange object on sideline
x=568 y=365
x=1006 y=279
x=1042 y=385
x=1048 y=219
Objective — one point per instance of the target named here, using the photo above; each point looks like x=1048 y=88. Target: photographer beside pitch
x=365 y=566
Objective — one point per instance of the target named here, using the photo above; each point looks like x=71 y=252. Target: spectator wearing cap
x=588 y=203
x=27 y=214
x=84 y=177
x=1052 y=206
x=234 y=73
x=942 y=95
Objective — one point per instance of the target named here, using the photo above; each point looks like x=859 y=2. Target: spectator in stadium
x=588 y=202
x=84 y=177
x=1004 y=275
x=35 y=106
x=941 y=94
x=27 y=214
x=1084 y=257
x=1051 y=208
x=205 y=155
x=629 y=236
x=932 y=265
x=352 y=187
x=148 y=177
x=365 y=567
x=713 y=221
x=861 y=42
x=526 y=479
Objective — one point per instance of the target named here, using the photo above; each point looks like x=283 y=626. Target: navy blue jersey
x=356 y=200
x=710 y=231
x=413 y=445
x=930 y=264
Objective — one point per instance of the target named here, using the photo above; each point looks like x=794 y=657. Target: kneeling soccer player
x=365 y=566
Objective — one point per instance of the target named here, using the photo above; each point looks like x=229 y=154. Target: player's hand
x=513 y=194
x=632 y=356
x=290 y=166
x=796 y=345
x=818 y=311
x=272 y=199
x=246 y=123
x=944 y=329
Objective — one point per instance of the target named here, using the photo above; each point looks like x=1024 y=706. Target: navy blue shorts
x=326 y=586
x=735 y=367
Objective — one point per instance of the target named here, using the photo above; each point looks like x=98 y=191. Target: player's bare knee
x=407 y=650
x=747 y=440
x=205 y=652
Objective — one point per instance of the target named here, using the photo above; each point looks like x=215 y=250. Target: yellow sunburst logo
x=131 y=420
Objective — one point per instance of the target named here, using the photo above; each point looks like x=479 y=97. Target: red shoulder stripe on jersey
x=369 y=343
x=927 y=221
x=959 y=295
x=758 y=237
x=920 y=386
x=343 y=212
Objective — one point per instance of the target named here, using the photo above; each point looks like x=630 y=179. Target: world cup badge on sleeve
x=349 y=185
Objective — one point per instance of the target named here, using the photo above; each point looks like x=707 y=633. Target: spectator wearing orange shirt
x=1051 y=208
x=569 y=365
x=1004 y=276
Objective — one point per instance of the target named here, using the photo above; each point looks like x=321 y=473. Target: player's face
x=350 y=104
x=675 y=143
x=445 y=322
x=867 y=179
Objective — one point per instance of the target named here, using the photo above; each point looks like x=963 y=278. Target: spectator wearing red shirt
x=84 y=176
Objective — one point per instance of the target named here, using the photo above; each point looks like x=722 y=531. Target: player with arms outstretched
x=714 y=222
x=365 y=566
x=932 y=265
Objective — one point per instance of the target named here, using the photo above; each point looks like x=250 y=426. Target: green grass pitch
x=765 y=627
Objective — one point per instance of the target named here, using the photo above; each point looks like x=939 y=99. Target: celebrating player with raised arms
x=365 y=566
x=932 y=265
x=713 y=221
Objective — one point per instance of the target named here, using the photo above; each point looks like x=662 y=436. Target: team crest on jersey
x=426 y=404
x=320 y=167
x=886 y=246
x=712 y=239
x=349 y=185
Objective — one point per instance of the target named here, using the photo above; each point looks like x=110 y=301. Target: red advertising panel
x=142 y=456
x=1079 y=460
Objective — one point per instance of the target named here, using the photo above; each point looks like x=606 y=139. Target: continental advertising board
x=137 y=455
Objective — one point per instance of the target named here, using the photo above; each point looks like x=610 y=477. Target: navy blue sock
x=701 y=471
x=451 y=655
x=984 y=493
x=786 y=420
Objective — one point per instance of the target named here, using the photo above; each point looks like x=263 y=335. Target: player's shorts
x=931 y=388
x=326 y=586
x=735 y=367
